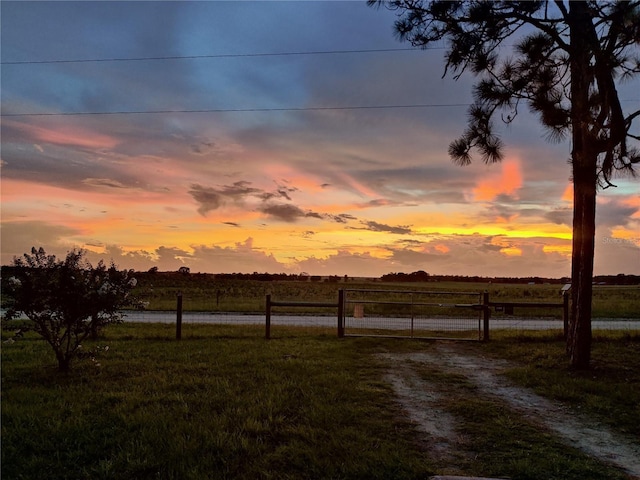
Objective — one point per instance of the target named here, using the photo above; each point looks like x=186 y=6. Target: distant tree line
x=184 y=278
x=184 y=275
x=421 y=276
x=620 y=279
x=263 y=277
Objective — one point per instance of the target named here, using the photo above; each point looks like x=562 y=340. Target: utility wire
x=222 y=55
x=239 y=110
x=236 y=110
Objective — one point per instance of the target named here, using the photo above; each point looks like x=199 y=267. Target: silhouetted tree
x=67 y=300
x=567 y=60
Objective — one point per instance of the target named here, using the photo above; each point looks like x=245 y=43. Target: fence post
x=486 y=313
x=179 y=317
x=565 y=313
x=341 y=313
x=412 y=319
x=267 y=333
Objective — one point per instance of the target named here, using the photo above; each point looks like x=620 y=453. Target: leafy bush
x=67 y=300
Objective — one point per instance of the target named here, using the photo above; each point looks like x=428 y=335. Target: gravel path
x=419 y=400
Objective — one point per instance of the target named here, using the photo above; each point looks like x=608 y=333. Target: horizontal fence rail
x=414 y=314
x=339 y=305
x=508 y=308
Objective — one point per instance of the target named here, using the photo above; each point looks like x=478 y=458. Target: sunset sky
x=276 y=174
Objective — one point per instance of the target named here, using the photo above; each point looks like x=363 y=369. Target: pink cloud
x=66 y=135
x=507 y=182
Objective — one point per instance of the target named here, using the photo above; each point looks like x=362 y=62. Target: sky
x=254 y=163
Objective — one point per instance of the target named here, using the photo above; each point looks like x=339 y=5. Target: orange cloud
x=629 y=236
x=561 y=249
x=567 y=196
x=511 y=251
x=506 y=182
x=635 y=203
x=442 y=248
x=65 y=135
x=632 y=201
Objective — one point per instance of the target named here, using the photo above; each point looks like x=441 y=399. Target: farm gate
x=421 y=314
x=415 y=314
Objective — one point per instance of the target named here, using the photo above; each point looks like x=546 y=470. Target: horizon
x=343 y=278
x=242 y=137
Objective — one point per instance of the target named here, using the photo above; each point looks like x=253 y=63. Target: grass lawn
x=225 y=403
x=222 y=403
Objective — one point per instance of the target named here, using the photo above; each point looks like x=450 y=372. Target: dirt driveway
x=422 y=400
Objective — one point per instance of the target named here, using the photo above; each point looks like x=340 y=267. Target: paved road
x=447 y=324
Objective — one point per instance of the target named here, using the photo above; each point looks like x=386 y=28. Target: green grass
x=222 y=403
x=225 y=403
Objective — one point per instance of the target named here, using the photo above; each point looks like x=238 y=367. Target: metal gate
x=414 y=314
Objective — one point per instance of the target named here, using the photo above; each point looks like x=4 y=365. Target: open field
x=206 y=293
x=225 y=403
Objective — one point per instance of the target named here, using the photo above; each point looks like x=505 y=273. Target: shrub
x=67 y=300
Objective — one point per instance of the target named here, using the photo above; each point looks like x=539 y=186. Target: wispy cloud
x=212 y=198
x=286 y=212
x=103 y=182
x=381 y=227
x=68 y=135
x=208 y=198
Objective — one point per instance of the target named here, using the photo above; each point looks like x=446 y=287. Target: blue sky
x=285 y=179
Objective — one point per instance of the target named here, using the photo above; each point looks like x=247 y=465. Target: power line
x=236 y=110
x=222 y=55
x=240 y=110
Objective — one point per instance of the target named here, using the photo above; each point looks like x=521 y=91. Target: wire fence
x=413 y=314
x=386 y=312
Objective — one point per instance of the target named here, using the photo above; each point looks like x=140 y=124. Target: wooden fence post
x=267 y=333
x=341 y=313
x=565 y=313
x=179 y=317
x=486 y=313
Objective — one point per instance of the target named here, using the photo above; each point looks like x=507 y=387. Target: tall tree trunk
x=584 y=212
x=584 y=163
x=94 y=327
x=64 y=362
